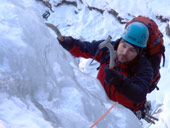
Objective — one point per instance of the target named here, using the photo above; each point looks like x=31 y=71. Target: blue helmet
x=137 y=34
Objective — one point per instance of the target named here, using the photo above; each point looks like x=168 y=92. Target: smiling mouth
x=122 y=58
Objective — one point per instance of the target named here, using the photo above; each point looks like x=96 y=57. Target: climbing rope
x=104 y=114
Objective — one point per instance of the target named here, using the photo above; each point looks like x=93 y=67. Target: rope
x=104 y=115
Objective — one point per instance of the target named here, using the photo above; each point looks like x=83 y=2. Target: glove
x=67 y=43
x=113 y=77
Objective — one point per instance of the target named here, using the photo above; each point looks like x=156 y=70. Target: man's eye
x=124 y=46
x=132 y=50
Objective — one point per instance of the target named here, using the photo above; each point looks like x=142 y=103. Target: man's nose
x=125 y=51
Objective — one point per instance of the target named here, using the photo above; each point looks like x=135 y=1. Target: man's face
x=125 y=52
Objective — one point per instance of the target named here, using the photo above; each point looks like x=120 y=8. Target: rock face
x=168 y=29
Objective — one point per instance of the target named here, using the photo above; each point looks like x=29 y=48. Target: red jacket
x=112 y=92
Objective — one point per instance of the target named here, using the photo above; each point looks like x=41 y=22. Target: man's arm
x=82 y=48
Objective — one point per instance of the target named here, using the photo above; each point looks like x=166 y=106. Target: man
x=129 y=81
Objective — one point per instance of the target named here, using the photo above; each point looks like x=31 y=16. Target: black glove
x=113 y=77
x=67 y=43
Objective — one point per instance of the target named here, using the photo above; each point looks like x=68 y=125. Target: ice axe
x=107 y=44
x=150 y=119
x=56 y=30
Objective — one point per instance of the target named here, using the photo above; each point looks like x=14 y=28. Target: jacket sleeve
x=135 y=88
x=82 y=48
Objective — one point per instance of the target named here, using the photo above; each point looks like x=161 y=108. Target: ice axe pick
x=56 y=30
x=107 y=44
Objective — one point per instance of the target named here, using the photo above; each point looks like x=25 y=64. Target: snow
x=43 y=86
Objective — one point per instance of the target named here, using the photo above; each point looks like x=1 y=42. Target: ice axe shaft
x=56 y=30
x=107 y=44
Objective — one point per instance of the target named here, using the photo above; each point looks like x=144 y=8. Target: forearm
x=81 y=48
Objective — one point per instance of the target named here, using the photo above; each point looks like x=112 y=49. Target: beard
x=123 y=59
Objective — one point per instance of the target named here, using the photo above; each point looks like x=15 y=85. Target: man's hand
x=67 y=43
x=112 y=76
